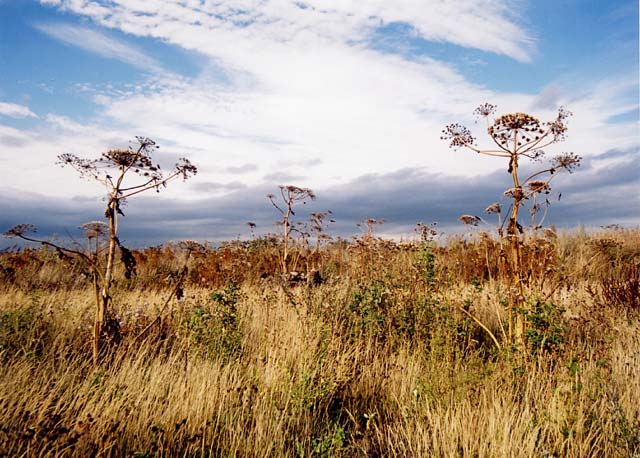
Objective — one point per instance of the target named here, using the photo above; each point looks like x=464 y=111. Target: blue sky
x=327 y=94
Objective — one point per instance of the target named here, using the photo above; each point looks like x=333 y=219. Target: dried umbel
x=458 y=135
x=427 y=231
x=126 y=161
x=517 y=135
x=94 y=229
x=300 y=194
x=485 y=110
x=515 y=129
x=514 y=193
x=319 y=223
x=539 y=186
x=192 y=246
x=470 y=220
x=494 y=208
x=566 y=161
x=558 y=127
x=20 y=230
x=370 y=224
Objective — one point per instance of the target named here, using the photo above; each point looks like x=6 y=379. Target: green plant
x=546 y=329
x=24 y=331
x=426 y=258
x=368 y=308
x=214 y=330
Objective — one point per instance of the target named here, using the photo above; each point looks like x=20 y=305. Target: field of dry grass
x=386 y=353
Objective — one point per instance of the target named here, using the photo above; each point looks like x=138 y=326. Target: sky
x=345 y=97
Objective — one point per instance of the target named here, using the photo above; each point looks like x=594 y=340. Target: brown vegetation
x=379 y=355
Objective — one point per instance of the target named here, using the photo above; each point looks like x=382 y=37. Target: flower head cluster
x=514 y=193
x=192 y=246
x=494 y=208
x=458 y=134
x=86 y=167
x=186 y=168
x=136 y=161
x=485 y=110
x=558 y=127
x=297 y=194
x=20 y=229
x=567 y=161
x=427 y=232
x=515 y=129
x=470 y=220
x=539 y=186
x=94 y=229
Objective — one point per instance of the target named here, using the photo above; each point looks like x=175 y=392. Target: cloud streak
x=489 y=25
x=99 y=43
x=300 y=79
x=14 y=110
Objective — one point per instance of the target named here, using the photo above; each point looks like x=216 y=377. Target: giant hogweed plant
x=518 y=136
x=124 y=173
x=290 y=196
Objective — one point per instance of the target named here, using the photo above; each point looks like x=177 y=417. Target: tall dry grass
x=379 y=359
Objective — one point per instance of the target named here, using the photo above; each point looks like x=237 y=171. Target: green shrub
x=24 y=331
x=546 y=327
x=214 y=330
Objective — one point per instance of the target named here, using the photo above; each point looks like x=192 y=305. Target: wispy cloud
x=489 y=25
x=297 y=90
x=301 y=82
x=16 y=111
x=99 y=43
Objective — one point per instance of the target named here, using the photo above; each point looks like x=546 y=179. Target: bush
x=214 y=330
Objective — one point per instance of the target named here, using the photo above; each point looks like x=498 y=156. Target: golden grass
x=377 y=361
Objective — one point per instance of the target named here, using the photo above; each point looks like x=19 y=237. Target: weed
x=546 y=330
x=214 y=330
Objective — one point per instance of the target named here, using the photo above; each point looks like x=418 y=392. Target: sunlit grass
x=378 y=360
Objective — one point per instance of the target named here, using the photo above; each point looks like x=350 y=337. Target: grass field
x=385 y=349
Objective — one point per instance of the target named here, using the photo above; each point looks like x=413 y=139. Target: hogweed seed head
x=20 y=229
x=485 y=110
x=458 y=135
x=93 y=229
x=567 y=161
x=537 y=186
x=558 y=127
x=494 y=208
x=192 y=246
x=514 y=193
x=186 y=168
x=516 y=129
x=469 y=220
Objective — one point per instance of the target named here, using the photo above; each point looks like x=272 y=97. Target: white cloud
x=16 y=111
x=101 y=44
x=302 y=83
x=488 y=25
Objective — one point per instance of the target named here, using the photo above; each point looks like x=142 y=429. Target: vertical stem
x=97 y=327
x=285 y=253
x=534 y=214
x=102 y=302
x=516 y=320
